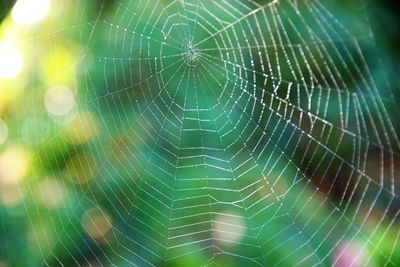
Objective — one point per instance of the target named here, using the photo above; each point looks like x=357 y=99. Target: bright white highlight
x=28 y=12
x=11 y=61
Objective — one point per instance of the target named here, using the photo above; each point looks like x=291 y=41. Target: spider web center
x=191 y=54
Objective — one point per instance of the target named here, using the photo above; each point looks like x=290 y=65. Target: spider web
x=234 y=132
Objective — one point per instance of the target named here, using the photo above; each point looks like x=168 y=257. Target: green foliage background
x=295 y=210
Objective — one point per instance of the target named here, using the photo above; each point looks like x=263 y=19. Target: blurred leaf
x=5 y=8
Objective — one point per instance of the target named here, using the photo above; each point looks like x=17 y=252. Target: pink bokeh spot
x=348 y=254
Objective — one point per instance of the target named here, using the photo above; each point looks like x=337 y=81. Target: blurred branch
x=5 y=8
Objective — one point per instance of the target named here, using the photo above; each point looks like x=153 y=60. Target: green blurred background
x=130 y=135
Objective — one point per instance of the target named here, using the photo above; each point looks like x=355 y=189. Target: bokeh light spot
x=80 y=169
x=229 y=228
x=39 y=237
x=350 y=253
x=14 y=164
x=60 y=103
x=3 y=131
x=11 y=62
x=10 y=195
x=28 y=12
x=51 y=193
x=83 y=128
x=96 y=223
